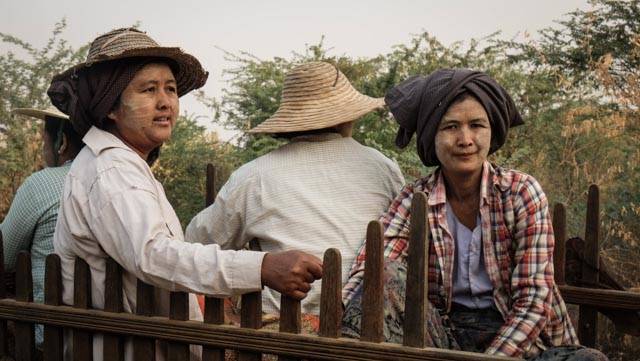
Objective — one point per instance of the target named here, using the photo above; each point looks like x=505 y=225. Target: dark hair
x=291 y=135
x=55 y=128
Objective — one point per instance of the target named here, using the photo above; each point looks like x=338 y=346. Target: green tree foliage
x=25 y=74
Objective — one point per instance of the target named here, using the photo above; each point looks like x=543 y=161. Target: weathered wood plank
x=24 y=333
x=82 y=339
x=416 y=299
x=331 y=294
x=621 y=300
x=213 y=307
x=144 y=348
x=53 y=336
x=223 y=336
x=213 y=314
x=179 y=311
x=373 y=287
x=290 y=315
x=290 y=320
x=210 y=191
x=588 y=315
x=113 y=346
x=251 y=317
x=560 y=233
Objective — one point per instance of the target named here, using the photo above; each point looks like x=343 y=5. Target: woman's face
x=463 y=138
x=148 y=109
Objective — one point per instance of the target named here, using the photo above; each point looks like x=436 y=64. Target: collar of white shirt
x=98 y=140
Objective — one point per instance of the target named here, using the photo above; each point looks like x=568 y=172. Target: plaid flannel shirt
x=518 y=247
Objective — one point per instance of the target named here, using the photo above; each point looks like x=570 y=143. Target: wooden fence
x=249 y=340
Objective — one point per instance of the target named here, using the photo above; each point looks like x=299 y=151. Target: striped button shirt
x=30 y=223
x=311 y=194
x=517 y=241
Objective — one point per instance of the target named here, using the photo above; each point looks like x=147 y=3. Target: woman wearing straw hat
x=124 y=100
x=316 y=192
x=491 y=285
x=30 y=222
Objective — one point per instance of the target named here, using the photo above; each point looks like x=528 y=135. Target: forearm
x=206 y=269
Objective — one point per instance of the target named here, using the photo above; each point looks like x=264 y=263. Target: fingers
x=315 y=269
x=298 y=295
x=299 y=291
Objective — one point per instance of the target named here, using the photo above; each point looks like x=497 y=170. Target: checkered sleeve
x=396 y=229
x=532 y=277
x=21 y=220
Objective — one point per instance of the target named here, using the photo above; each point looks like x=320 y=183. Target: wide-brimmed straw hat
x=131 y=42
x=315 y=96
x=40 y=113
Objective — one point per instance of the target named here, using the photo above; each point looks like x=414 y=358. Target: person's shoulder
x=39 y=178
x=374 y=155
x=112 y=170
x=516 y=182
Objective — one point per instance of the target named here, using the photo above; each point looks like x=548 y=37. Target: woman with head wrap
x=491 y=286
x=124 y=101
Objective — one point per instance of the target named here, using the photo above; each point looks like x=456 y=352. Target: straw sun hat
x=40 y=113
x=317 y=95
x=131 y=42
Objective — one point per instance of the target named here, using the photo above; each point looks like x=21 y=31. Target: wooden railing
x=590 y=300
x=143 y=327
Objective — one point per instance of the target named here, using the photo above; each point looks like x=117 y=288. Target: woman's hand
x=291 y=273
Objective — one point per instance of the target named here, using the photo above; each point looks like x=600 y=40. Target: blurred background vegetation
x=577 y=85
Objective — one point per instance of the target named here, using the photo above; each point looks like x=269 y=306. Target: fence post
x=113 y=346
x=290 y=320
x=4 y=335
x=82 y=339
x=53 y=337
x=373 y=287
x=144 y=348
x=210 y=191
x=588 y=322
x=179 y=310
x=25 y=338
x=560 y=232
x=251 y=317
x=213 y=307
x=213 y=314
x=331 y=294
x=417 y=290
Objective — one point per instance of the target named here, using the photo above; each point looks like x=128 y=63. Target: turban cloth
x=92 y=93
x=419 y=103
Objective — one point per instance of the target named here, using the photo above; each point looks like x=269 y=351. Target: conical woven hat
x=317 y=95
x=40 y=113
x=130 y=42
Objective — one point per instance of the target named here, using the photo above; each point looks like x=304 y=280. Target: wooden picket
x=213 y=307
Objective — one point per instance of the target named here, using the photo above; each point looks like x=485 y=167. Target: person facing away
x=490 y=267
x=30 y=221
x=124 y=100
x=316 y=192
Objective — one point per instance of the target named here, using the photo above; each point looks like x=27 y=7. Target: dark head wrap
x=419 y=103
x=91 y=93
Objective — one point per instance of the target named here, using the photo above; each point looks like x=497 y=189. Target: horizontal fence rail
x=244 y=339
